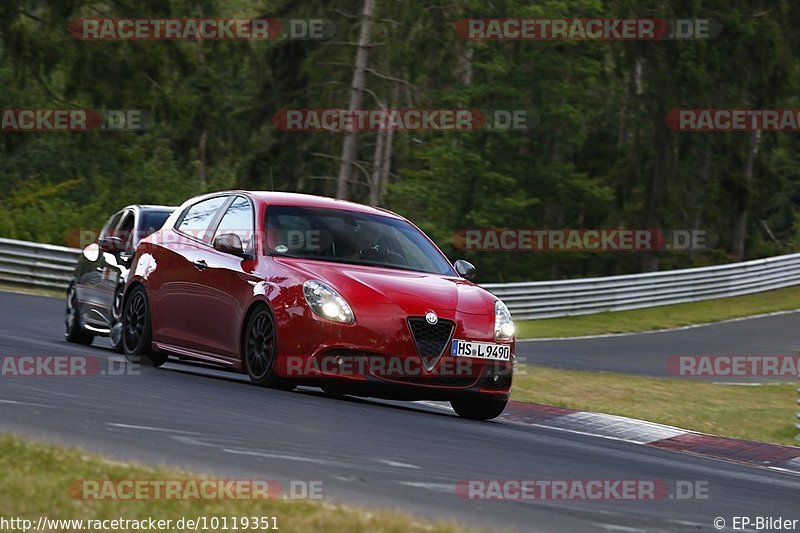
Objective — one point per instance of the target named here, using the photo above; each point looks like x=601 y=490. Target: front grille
x=431 y=339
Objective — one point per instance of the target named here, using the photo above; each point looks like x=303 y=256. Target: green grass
x=763 y=412
x=665 y=317
x=36 y=480
x=38 y=291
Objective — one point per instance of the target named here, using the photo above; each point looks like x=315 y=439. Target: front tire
x=259 y=346
x=73 y=329
x=115 y=335
x=478 y=408
x=137 y=334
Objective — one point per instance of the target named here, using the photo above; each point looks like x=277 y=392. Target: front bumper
x=379 y=357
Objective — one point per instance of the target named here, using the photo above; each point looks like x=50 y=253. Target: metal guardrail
x=36 y=265
x=547 y=299
x=44 y=265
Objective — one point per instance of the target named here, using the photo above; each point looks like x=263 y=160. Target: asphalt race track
x=647 y=354
x=388 y=454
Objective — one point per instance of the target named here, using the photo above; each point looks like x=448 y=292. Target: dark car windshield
x=152 y=221
x=351 y=237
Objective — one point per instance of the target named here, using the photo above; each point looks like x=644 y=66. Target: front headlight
x=326 y=302
x=503 y=325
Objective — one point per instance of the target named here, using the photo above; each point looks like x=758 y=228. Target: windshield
x=350 y=237
x=152 y=221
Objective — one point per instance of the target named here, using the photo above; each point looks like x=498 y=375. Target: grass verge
x=36 y=479
x=763 y=412
x=665 y=317
x=36 y=291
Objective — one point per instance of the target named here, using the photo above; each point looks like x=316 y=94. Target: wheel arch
x=132 y=285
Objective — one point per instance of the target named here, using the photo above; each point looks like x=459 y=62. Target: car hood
x=414 y=292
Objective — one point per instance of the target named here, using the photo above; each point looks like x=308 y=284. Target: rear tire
x=259 y=350
x=136 y=330
x=73 y=329
x=478 y=408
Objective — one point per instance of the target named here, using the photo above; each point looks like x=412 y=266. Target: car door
x=116 y=265
x=100 y=278
x=173 y=289
x=225 y=284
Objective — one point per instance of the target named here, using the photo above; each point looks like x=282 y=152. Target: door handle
x=200 y=264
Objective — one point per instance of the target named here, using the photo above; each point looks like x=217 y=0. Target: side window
x=197 y=218
x=124 y=230
x=238 y=219
x=108 y=229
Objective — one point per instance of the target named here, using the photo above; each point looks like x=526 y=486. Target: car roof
x=148 y=207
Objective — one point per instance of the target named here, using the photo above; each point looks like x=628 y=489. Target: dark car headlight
x=503 y=325
x=326 y=302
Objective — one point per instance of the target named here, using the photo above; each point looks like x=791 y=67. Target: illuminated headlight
x=503 y=325
x=326 y=302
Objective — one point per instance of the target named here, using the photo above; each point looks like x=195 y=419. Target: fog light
x=496 y=378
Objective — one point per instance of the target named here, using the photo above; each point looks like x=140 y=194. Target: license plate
x=481 y=350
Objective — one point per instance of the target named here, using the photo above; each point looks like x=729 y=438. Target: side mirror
x=465 y=269
x=229 y=243
x=111 y=244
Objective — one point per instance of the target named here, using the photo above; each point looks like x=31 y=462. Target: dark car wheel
x=260 y=346
x=115 y=335
x=73 y=330
x=478 y=408
x=136 y=330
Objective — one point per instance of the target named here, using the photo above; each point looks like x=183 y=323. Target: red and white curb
x=773 y=456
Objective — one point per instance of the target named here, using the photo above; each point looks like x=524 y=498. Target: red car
x=297 y=289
